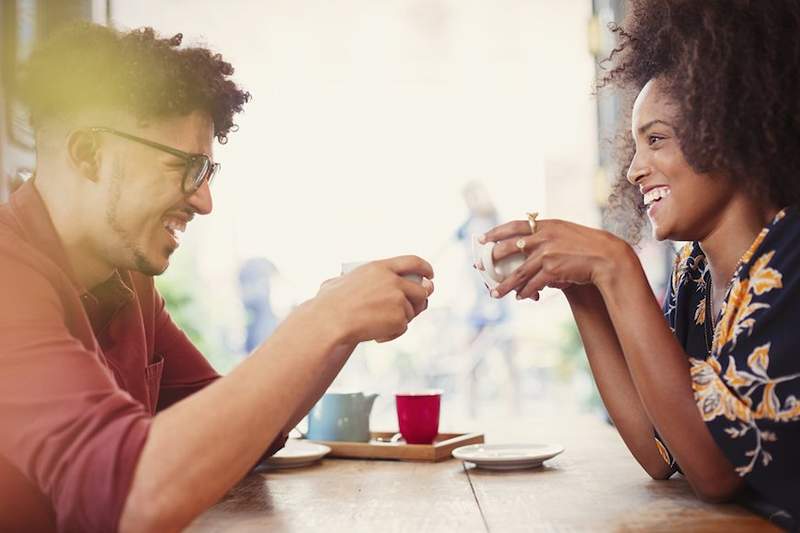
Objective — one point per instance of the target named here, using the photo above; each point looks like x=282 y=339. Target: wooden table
x=595 y=485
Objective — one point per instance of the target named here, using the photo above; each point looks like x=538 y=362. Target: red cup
x=418 y=416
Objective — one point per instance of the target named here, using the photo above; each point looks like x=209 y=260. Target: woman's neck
x=738 y=226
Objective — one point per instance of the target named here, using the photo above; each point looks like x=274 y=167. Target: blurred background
x=378 y=129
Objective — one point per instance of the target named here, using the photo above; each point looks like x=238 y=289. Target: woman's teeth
x=654 y=195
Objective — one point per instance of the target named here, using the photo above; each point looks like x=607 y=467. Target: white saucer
x=297 y=453
x=507 y=456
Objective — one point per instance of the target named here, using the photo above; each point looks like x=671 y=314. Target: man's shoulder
x=17 y=251
x=24 y=269
x=14 y=247
x=9 y=228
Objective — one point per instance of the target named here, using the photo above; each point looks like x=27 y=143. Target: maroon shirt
x=81 y=375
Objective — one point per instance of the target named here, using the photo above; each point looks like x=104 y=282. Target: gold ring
x=532 y=221
x=521 y=245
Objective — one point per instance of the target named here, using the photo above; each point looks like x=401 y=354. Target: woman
x=713 y=390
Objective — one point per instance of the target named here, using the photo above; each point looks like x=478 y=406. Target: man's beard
x=141 y=263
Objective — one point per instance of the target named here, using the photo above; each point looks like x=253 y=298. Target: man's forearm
x=325 y=376
x=200 y=447
x=613 y=378
x=660 y=370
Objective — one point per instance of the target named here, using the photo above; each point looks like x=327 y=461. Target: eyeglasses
x=199 y=167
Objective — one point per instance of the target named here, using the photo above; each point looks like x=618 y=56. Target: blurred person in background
x=486 y=316
x=255 y=290
x=712 y=391
x=482 y=216
x=111 y=418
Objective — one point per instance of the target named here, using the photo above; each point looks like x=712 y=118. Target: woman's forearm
x=613 y=378
x=659 y=368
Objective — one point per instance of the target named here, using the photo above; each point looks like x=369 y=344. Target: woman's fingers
x=506 y=231
x=521 y=275
x=517 y=228
x=509 y=247
x=534 y=286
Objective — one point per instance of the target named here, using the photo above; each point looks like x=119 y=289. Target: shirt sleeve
x=186 y=370
x=669 y=315
x=66 y=425
x=666 y=455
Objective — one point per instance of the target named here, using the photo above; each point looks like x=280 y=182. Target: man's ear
x=83 y=151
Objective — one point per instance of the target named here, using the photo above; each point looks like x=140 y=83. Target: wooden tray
x=440 y=450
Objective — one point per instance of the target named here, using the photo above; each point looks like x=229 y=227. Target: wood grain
x=595 y=485
x=350 y=495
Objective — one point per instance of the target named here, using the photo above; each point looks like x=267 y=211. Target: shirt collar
x=31 y=213
x=38 y=229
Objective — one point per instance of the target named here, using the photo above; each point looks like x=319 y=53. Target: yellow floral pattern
x=688 y=266
x=738 y=308
x=738 y=392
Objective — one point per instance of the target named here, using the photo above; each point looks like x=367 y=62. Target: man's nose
x=638 y=169
x=200 y=200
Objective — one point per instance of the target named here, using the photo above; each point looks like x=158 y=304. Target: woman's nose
x=637 y=170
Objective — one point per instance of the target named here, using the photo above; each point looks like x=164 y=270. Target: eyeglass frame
x=188 y=158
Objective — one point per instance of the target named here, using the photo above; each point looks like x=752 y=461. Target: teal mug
x=341 y=416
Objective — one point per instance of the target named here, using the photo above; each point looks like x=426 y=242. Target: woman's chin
x=661 y=222
x=660 y=231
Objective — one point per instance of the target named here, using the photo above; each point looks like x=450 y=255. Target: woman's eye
x=652 y=139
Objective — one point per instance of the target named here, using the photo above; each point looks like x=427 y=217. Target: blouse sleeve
x=670 y=315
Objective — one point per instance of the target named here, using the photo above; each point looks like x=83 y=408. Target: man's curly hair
x=733 y=69
x=87 y=66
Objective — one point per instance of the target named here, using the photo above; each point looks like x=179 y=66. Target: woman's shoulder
x=761 y=302
x=773 y=260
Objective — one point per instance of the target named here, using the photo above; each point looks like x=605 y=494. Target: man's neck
x=86 y=265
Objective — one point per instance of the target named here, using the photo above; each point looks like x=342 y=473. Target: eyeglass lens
x=199 y=169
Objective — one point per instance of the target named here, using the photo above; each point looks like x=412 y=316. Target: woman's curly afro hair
x=87 y=66
x=733 y=69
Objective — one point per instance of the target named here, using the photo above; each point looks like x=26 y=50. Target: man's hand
x=375 y=301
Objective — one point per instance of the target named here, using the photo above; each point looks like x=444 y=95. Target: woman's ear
x=83 y=151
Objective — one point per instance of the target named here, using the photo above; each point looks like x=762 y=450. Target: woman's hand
x=559 y=254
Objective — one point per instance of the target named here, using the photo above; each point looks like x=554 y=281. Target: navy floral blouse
x=745 y=364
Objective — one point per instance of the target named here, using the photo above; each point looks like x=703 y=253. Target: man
x=111 y=419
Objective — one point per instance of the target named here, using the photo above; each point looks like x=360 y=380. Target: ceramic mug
x=495 y=272
x=341 y=416
x=418 y=415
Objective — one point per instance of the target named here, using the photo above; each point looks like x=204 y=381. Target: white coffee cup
x=352 y=265
x=495 y=271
